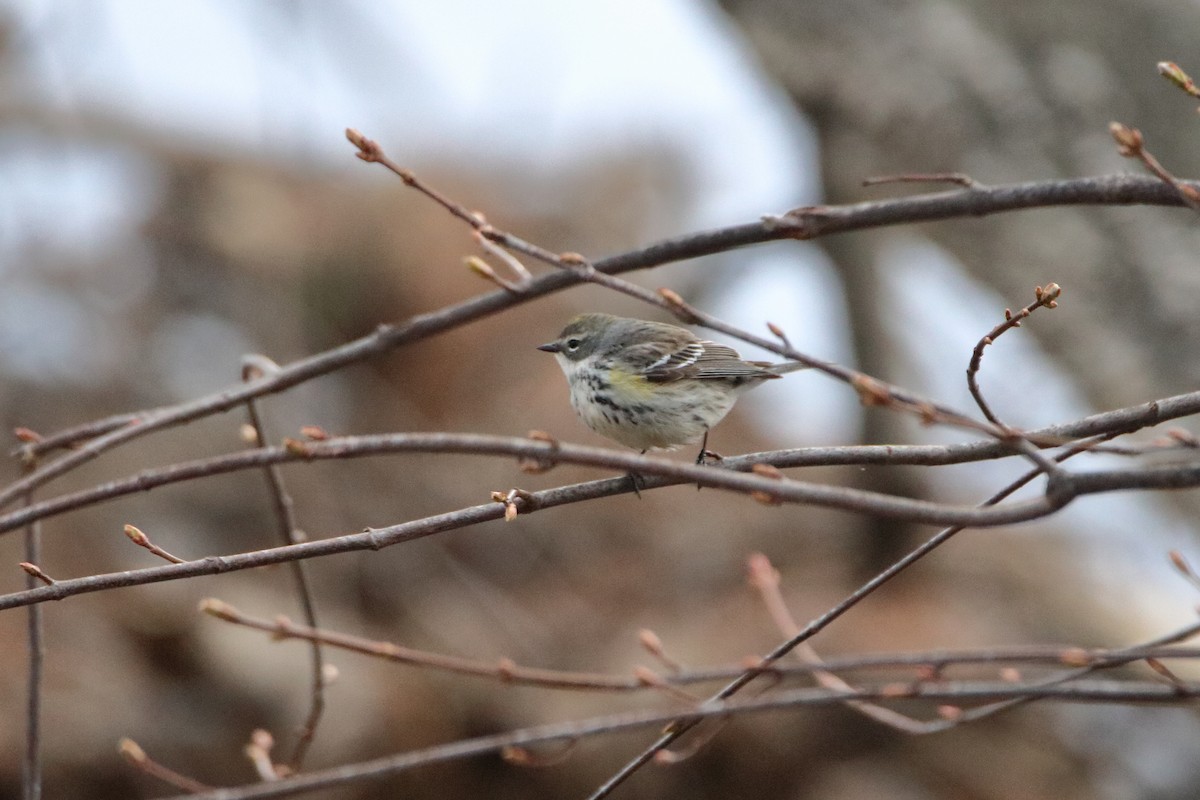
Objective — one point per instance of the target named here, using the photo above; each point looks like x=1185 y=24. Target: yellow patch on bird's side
x=630 y=384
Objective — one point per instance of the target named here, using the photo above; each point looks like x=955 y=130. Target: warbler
x=650 y=385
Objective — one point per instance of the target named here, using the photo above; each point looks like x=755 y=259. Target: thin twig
x=1173 y=477
x=375 y=539
x=1045 y=297
x=960 y=693
x=1184 y=568
x=652 y=644
x=135 y=755
x=142 y=540
x=960 y=178
x=1131 y=144
x=508 y=672
x=503 y=670
x=104 y=434
x=509 y=260
x=31 y=768
x=35 y=572
x=765 y=579
x=777 y=489
x=1118 y=421
x=812 y=629
x=258 y=750
x=1175 y=74
x=289 y=533
x=872 y=391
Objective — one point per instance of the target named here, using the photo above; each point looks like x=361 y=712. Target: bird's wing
x=697 y=359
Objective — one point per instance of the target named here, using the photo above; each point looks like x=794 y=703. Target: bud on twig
x=1172 y=72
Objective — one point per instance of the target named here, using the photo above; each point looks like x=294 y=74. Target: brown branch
x=289 y=533
x=135 y=755
x=1115 y=422
x=101 y=435
x=814 y=627
x=1124 y=420
x=959 y=178
x=667 y=472
x=31 y=764
x=1143 y=692
x=766 y=580
x=258 y=750
x=503 y=670
x=35 y=572
x=1131 y=144
x=1110 y=424
x=142 y=540
x=375 y=539
x=871 y=391
x=1047 y=297
x=508 y=672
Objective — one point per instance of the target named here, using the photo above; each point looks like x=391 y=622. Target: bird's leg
x=637 y=481
x=705 y=453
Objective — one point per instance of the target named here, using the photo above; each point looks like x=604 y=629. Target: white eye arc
x=573 y=344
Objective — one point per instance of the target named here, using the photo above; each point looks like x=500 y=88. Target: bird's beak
x=550 y=347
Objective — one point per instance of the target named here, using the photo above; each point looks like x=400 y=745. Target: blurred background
x=177 y=192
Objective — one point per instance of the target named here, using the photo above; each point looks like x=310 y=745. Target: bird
x=651 y=385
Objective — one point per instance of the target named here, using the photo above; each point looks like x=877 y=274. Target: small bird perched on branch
x=653 y=385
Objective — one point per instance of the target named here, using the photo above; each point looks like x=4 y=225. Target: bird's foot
x=637 y=482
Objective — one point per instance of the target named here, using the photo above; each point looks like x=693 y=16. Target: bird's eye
x=573 y=344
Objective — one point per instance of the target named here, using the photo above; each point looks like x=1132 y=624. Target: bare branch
x=1047 y=297
x=765 y=579
x=504 y=670
x=132 y=752
x=31 y=767
x=289 y=533
x=142 y=540
x=807 y=223
x=669 y=473
x=1131 y=144
x=814 y=627
x=959 y=178
x=1110 y=692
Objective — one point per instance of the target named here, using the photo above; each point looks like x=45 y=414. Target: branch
x=376 y=539
x=507 y=672
x=289 y=533
x=503 y=670
x=1047 y=297
x=31 y=766
x=1119 y=421
x=1092 y=691
x=1113 y=422
x=812 y=629
x=871 y=391
x=805 y=223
